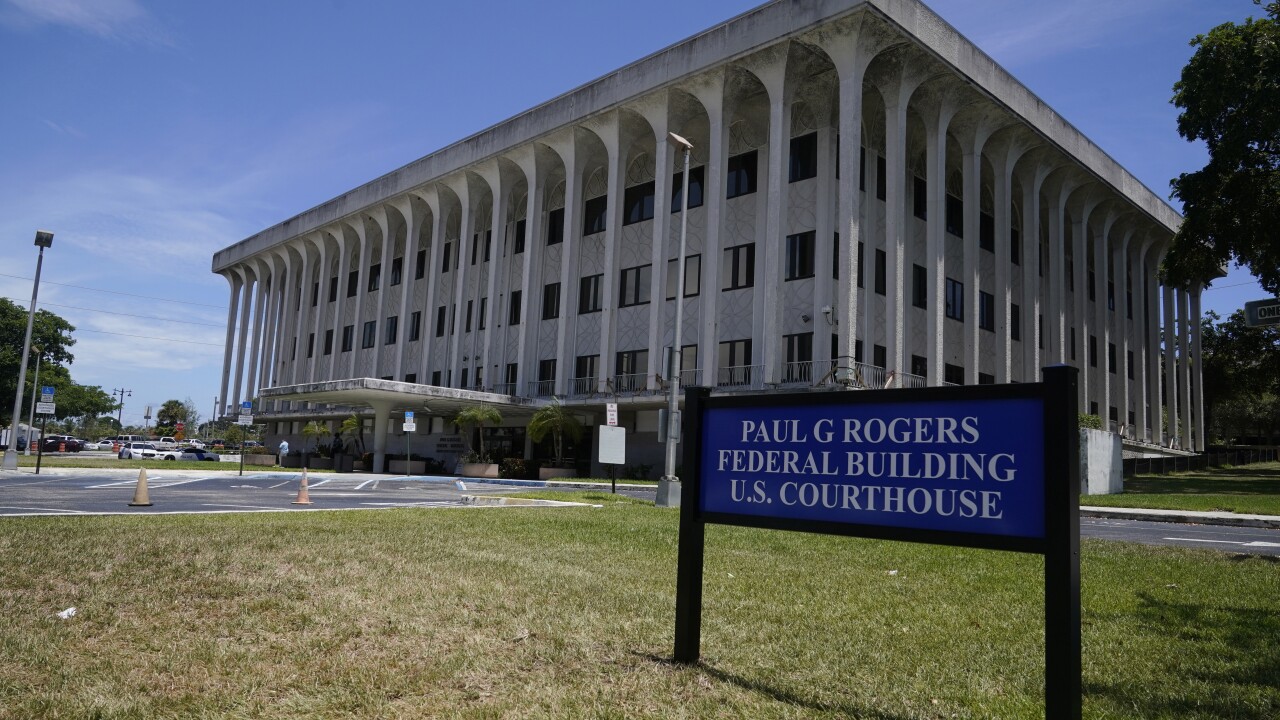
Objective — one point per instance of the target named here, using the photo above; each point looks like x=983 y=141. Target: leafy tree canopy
x=1229 y=95
x=1241 y=376
x=50 y=333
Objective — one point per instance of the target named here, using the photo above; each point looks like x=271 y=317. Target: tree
x=1229 y=94
x=1241 y=377
x=478 y=416
x=311 y=433
x=352 y=430
x=170 y=414
x=49 y=332
x=556 y=420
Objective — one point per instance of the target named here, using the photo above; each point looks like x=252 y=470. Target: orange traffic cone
x=140 y=497
x=303 y=498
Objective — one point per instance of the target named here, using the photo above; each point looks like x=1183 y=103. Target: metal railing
x=907 y=380
x=630 y=383
x=689 y=377
x=583 y=386
x=740 y=376
x=542 y=388
x=806 y=372
x=505 y=388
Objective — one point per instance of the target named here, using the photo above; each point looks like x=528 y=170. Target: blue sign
x=246 y=406
x=46 y=389
x=969 y=466
x=408 y=416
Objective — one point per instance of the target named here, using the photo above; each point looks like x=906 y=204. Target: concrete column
x=1080 y=296
x=1184 y=368
x=362 y=284
x=935 y=255
x=1002 y=163
x=1100 y=329
x=259 y=327
x=303 y=320
x=1031 y=280
x=381 y=424
x=618 y=149
x=405 y=206
x=1197 y=371
x=282 y=320
x=496 y=305
x=895 y=227
x=1151 y=348
x=573 y=161
x=234 y=281
x=434 y=271
x=461 y=187
x=341 y=237
x=247 y=281
x=770 y=236
x=1119 y=275
x=531 y=286
x=972 y=171
x=1170 y=370
x=1055 y=299
x=664 y=157
x=379 y=310
x=322 y=304
x=711 y=96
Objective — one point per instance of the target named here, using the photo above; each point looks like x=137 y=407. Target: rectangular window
x=1073 y=343
x=920 y=197
x=1093 y=351
x=547 y=370
x=466 y=319
x=446 y=265
x=862 y=168
x=555 y=226
x=594 y=212
x=375 y=276
x=436 y=378
x=986 y=232
x=741 y=178
x=311 y=344
x=920 y=366
x=585 y=367
x=804 y=157
x=800 y=256
x=881 y=272
x=739 y=267
x=453 y=318
x=861 y=249
x=695 y=189
x=955 y=300
x=637 y=203
x=1111 y=358
x=799 y=365
x=879 y=355
x=466 y=376
x=953 y=374
x=440 y=320
x=1040 y=331
x=353 y=283
x=517 y=242
x=692 y=276
x=484 y=311
x=955 y=215
x=919 y=287
x=1111 y=295
x=735 y=362
x=415 y=325
x=1015 y=246
x=986 y=379
x=1093 y=407
x=369 y=334
x=835 y=257
x=420 y=265
x=488 y=246
x=633 y=289
x=348 y=337
x=512 y=371
x=1015 y=322
x=551 y=301
x=475 y=251
x=986 y=311
x=632 y=362
x=328 y=342
x=411 y=378
x=882 y=177
x=393 y=323
x=1129 y=364
x=589 y=294
x=513 y=308
x=1092 y=281
x=315 y=294
x=397 y=270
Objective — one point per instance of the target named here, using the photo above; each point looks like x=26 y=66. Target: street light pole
x=31 y=417
x=669 y=485
x=44 y=239
x=120 y=411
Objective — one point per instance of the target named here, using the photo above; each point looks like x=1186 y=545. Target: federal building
x=873 y=202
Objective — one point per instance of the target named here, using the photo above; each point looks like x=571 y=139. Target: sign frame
x=1254 y=308
x=1060 y=543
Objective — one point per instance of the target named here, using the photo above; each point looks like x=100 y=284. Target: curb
x=1183 y=517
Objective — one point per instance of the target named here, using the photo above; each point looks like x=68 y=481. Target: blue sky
x=147 y=135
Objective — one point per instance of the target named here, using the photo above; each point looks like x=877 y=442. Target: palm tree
x=478 y=416
x=353 y=429
x=557 y=420
x=311 y=432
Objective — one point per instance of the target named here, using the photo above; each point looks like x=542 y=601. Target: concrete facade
x=973 y=236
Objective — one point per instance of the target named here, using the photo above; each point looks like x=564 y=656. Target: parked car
x=189 y=453
x=103 y=444
x=60 y=443
x=138 y=451
x=166 y=443
x=194 y=443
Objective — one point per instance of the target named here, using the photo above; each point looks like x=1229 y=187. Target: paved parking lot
x=81 y=491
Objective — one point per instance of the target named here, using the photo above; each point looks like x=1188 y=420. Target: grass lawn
x=569 y=613
x=1251 y=489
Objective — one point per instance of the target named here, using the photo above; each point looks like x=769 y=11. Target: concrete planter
x=416 y=467
x=321 y=463
x=291 y=461
x=263 y=460
x=550 y=473
x=481 y=470
x=1100 y=463
x=343 y=463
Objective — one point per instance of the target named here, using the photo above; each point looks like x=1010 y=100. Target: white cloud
x=113 y=19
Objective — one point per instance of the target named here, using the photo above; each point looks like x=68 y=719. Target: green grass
x=569 y=613
x=1250 y=489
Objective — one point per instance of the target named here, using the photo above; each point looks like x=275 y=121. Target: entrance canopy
x=392 y=396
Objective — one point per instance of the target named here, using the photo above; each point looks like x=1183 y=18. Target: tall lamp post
x=120 y=411
x=44 y=239
x=669 y=485
x=31 y=417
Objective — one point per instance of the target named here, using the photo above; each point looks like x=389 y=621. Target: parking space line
x=155 y=482
x=36 y=509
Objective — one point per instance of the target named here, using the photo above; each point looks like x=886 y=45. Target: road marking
x=424 y=503
x=251 y=507
x=152 y=481
x=57 y=510
x=366 y=482
x=1255 y=543
x=273 y=487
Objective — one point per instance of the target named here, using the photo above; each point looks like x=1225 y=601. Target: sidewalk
x=1193 y=517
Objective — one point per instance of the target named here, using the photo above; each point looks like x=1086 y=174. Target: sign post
x=613 y=451
x=993 y=466
x=245 y=419
x=409 y=426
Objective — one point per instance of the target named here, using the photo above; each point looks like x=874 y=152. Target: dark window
x=986 y=232
x=369 y=334
x=800 y=256
x=919 y=287
x=919 y=366
x=986 y=379
x=920 y=198
x=799 y=365
x=632 y=362
x=393 y=323
x=475 y=251
x=953 y=374
x=481 y=320
x=1040 y=331
x=1111 y=358
x=586 y=366
x=593 y=215
x=1129 y=364
x=735 y=362
x=692 y=276
x=328 y=342
x=804 y=157
x=1092 y=281
x=315 y=294
x=420 y=265
x=353 y=283
x=695 y=189
x=311 y=344
x=375 y=276
x=415 y=325
x=1111 y=295
x=1093 y=351
x=513 y=310
x=466 y=374
x=861 y=248
x=555 y=226
x=835 y=257
x=739 y=267
x=1128 y=297
x=882 y=177
x=986 y=311
x=634 y=286
x=446 y=265
x=1073 y=343
x=488 y=247
x=1093 y=407
x=862 y=169
x=1131 y=418
x=547 y=370
x=551 y=301
x=589 y=294
x=741 y=179
x=518 y=241
x=1015 y=321
x=466 y=319
x=1113 y=414
x=397 y=270
x=1015 y=246
x=436 y=378
x=955 y=215
x=881 y=272
x=1070 y=273
x=453 y=318
x=637 y=203
x=348 y=337
x=879 y=356
x=955 y=300
x=440 y=320
x=513 y=370
x=411 y=377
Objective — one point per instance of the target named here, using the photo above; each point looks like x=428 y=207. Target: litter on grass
x=67 y=614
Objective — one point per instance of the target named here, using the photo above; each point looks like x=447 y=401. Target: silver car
x=138 y=451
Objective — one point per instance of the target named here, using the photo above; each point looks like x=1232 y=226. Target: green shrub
x=518 y=469
x=1091 y=422
x=259 y=450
